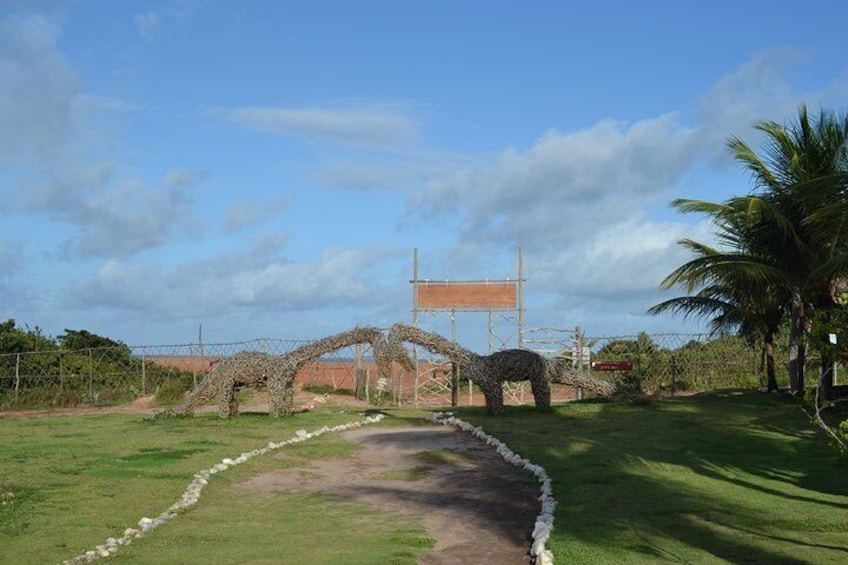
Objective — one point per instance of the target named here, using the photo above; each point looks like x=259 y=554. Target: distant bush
x=698 y=366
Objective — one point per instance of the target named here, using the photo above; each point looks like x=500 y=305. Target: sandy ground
x=478 y=508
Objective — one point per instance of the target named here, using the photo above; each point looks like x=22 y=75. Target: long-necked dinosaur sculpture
x=489 y=372
x=253 y=369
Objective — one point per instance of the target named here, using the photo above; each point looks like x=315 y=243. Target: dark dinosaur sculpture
x=489 y=372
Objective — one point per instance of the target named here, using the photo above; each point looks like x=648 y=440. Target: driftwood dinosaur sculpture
x=278 y=372
x=489 y=372
x=243 y=369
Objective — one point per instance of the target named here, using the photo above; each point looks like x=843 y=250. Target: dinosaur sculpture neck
x=315 y=349
x=432 y=342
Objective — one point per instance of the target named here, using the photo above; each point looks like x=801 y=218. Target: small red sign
x=612 y=365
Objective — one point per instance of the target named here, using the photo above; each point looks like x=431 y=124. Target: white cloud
x=368 y=176
x=270 y=243
x=757 y=90
x=114 y=215
x=129 y=219
x=565 y=186
x=247 y=214
x=48 y=128
x=584 y=205
x=620 y=260
x=265 y=284
x=181 y=178
x=383 y=127
x=37 y=88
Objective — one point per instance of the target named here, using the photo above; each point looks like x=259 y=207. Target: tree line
x=76 y=367
x=16 y=339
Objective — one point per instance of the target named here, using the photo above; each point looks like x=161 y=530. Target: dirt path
x=477 y=507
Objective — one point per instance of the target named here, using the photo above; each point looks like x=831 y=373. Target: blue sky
x=266 y=169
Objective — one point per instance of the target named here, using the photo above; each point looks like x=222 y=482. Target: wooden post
x=17 y=375
x=520 y=298
x=202 y=355
x=193 y=364
x=415 y=323
x=454 y=385
x=358 y=387
x=90 y=377
x=143 y=372
x=367 y=385
x=673 y=376
x=579 y=356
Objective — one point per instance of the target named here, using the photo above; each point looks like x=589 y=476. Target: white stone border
x=545 y=520
x=201 y=479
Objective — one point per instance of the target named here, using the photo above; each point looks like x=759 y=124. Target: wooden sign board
x=467 y=296
x=612 y=365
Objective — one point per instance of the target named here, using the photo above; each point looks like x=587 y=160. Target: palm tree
x=803 y=176
x=786 y=242
x=733 y=284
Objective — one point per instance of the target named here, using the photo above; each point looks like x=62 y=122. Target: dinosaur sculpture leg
x=493 y=391
x=234 y=406
x=227 y=398
x=281 y=395
x=541 y=392
x=198 y=396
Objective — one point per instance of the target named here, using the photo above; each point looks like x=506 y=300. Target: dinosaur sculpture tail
x=563 y=373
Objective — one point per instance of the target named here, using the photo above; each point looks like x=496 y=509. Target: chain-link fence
x=111 y=375
x=664 y=362
x=105 y=376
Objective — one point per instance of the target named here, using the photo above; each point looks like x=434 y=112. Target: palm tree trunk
x=768 y=350
x=797 y=350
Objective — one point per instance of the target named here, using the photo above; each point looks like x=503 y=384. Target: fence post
x=194 y=365
x=90 y=378
x=454 y=385
x=17 y=375
x=143 y=372
x=470 y=392
x=367 y=385
x=673 y=376
x=357 y=371
x=415 y=375
x=399 y=386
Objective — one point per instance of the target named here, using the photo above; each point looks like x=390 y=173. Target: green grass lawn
x=75 y=481
x=722 y=478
